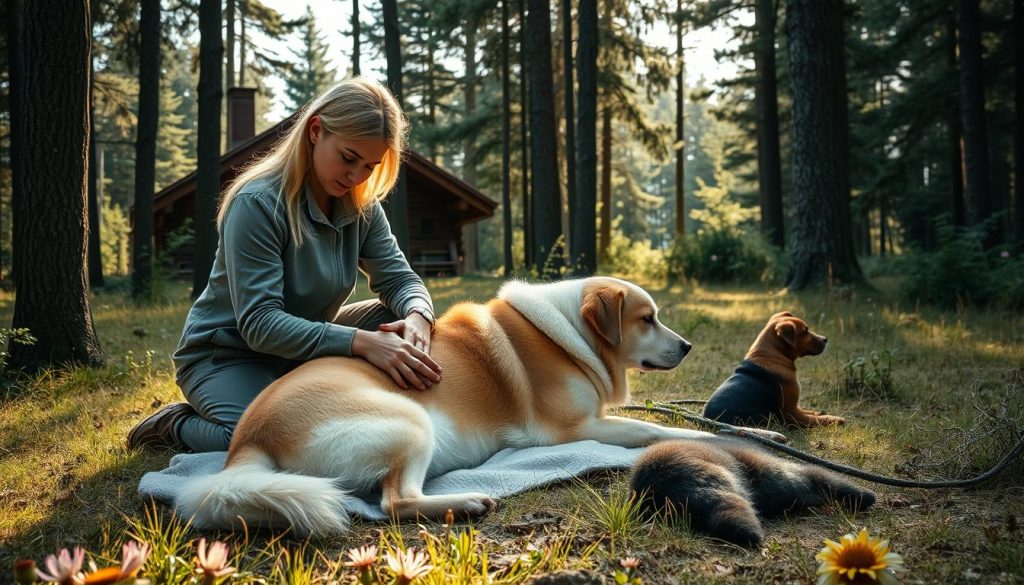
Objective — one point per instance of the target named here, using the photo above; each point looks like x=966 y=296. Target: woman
x=294 y=228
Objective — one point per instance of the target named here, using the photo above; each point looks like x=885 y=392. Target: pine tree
x=310 y=74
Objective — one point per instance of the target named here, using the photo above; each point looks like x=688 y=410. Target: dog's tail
x=252 y=491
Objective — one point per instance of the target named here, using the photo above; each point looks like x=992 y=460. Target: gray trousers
x=220 y=387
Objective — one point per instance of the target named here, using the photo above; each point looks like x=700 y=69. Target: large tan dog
x=538 y=365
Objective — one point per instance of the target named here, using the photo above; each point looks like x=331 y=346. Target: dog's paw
x=477 y=504
x=828 y=419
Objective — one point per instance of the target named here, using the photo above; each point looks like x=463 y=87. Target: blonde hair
x=357 y=109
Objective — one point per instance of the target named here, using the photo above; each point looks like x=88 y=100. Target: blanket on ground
x=507 y=472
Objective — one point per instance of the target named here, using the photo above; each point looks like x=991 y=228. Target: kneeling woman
x=294 y=229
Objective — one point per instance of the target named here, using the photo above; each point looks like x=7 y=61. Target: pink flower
x=408 y=566
x=64 y=568
x=212 y=561
x=362 y=557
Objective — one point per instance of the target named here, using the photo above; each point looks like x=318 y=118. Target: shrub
x=722 y=255
x=632 y=259
x=961 y=272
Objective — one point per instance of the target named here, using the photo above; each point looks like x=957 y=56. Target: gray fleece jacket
x=267 y=295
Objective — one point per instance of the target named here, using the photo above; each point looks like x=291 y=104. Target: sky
x=333 y=17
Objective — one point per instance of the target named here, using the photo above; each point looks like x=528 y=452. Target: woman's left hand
x=415 y=329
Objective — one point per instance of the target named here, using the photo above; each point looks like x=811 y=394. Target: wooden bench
x=438 y=262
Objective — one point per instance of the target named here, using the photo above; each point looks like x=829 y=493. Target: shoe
x=157 y=431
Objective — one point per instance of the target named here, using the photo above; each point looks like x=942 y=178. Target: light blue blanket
x=508 y=472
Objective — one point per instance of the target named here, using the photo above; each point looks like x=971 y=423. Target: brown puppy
x=765 y=384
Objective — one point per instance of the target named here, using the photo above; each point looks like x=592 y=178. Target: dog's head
x=624 y=318
x=794 y=334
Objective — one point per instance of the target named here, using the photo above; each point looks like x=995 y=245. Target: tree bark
x=769 y=160
x=972 y=109
x=953 y=133
x=524 y=144
x=680 y=127
x=569 y=107
x=208 y=139
x=547 y=223
x=584 y=226
x=355 y=38
x=822 y=242
x=49 y=61
x=243 y=12
x=606 y=182
x=145 y=148
x=229 y=16
x=95 y=261
x=506 y=143
x=395 y=205
x=469 y=231
x=1018 y=120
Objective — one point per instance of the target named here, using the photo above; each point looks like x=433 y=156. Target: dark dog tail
x=697 y=483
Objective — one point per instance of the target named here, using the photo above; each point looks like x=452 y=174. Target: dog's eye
x=649 y=319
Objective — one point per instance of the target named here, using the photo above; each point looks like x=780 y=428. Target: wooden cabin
x=438 y=202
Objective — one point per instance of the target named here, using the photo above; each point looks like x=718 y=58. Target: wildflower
x=858 y=559
x=408 y=566
x=63 y=568
x=629 y=563
x=363 y=560
x=133 y=556
x=630 y=576
x=24 y=571
x=211 y=562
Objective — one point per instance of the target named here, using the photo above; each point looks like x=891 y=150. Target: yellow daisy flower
x=858 y=559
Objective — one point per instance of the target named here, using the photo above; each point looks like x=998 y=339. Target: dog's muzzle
x=671 y=359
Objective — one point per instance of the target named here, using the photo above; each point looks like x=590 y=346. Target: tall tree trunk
x=49 y=100
x=243 y=13
x=584 y=226
x=229 y=16
x=208 y=139
x=972 y=108
x=822 y=242
x=145 y=148
x=547 y=223
x=355 y=38
x=769 y=160
x=431 y=95
x=95 y=174
x=606 y=182
x=570 y=127
x=1018 y=120
x=953 y=134
x=395 y=204
x=469 y=231
x=524 y=144
x=680 y=128
x=506 y=144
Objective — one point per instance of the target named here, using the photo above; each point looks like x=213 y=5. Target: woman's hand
x=390 y=350
x=415 y=329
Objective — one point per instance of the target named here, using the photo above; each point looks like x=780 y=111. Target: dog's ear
x=602 y=310
x=787 y=332
x=782 y=314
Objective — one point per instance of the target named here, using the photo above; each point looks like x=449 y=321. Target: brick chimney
x=241 y=115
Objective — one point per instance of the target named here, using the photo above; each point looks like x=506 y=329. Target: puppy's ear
x=602 y=310
x=787 y=332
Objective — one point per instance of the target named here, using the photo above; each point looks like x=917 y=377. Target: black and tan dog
x=765 y=385
x=724 y=487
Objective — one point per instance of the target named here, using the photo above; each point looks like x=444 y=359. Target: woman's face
x=340 y=164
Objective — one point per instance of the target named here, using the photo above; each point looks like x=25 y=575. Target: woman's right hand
x=397 y=358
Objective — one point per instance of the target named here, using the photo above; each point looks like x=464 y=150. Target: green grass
x=66 y=477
